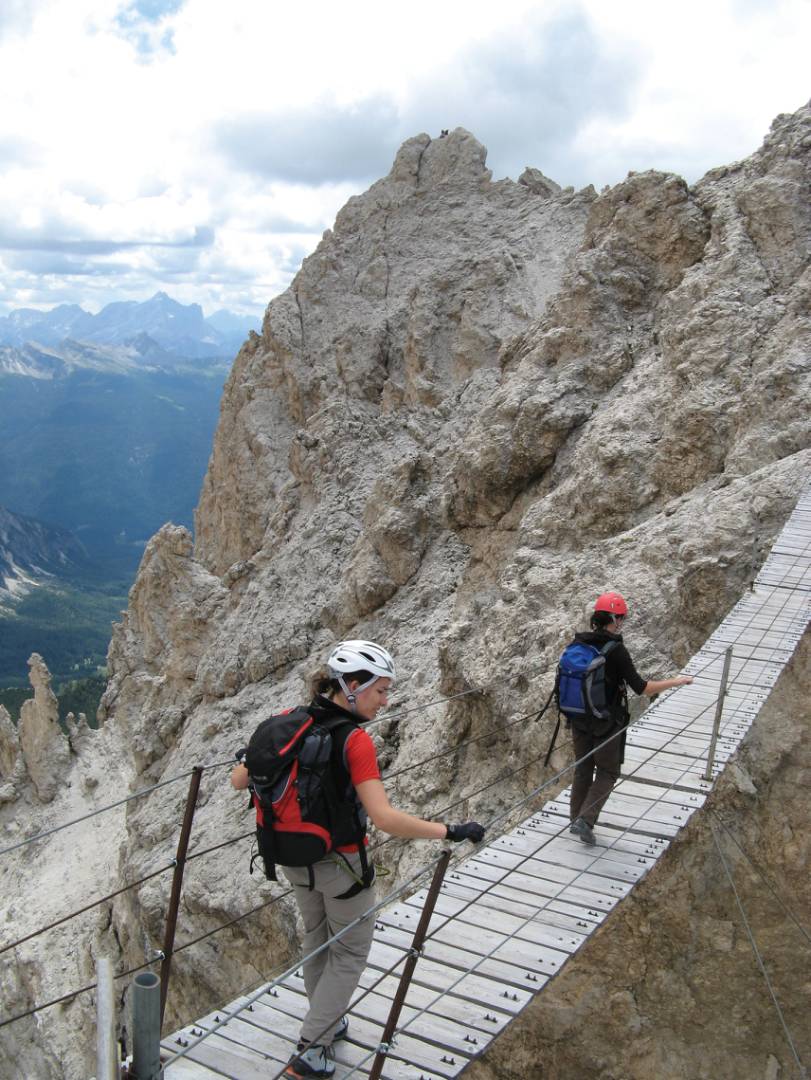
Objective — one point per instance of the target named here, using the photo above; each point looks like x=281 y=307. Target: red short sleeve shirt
x=361 y=761
x=361 y=757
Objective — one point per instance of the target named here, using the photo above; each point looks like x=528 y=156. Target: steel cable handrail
x=537 y=909
x=511 y=809
x=184 y=776
x=75 y=993
x=465 y=798
x=462 y=745
x=500 y=817
x=230 y=761
x=273 y=900
x=215 y=847
x=124 y=888
x=95 y=813
x=456 y=915
x=87 y=907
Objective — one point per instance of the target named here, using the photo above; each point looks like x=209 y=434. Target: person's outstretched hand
x=468 y=830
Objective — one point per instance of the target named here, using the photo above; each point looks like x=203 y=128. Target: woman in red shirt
x=337 y=890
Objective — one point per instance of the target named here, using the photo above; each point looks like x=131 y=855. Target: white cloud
x=203 y=147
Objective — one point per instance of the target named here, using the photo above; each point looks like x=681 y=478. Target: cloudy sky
x=202 y=146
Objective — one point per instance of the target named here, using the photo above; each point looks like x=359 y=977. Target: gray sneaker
x=341 y=1029
x=581 y=828
x=314 y=1061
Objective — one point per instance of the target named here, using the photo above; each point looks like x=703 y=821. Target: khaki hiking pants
x=331 y=977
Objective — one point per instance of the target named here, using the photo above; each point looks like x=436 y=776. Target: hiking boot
x=314 y=1061
x=581 y=828
x=342 y=1029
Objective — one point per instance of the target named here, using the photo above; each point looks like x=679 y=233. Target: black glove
x=469 y=830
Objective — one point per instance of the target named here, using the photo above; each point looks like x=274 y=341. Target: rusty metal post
x=177 y=884
x=410 y=964
x=719 y=708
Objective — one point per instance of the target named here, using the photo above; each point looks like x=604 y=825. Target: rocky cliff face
x=478 y=405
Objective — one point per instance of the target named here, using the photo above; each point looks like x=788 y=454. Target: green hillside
x=68 y=625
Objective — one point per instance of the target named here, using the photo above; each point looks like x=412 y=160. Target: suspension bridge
x=509 y=916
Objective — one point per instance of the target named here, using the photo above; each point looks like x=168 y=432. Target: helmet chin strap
x=351 y=695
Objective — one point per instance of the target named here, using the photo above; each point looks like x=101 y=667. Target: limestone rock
x=537 y=183
x=157 y=648
x=44 y=747
x=404 y=305
x=10 y=758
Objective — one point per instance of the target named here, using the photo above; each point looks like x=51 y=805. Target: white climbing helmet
x=350 y=656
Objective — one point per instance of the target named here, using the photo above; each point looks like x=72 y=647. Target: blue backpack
x=580 y=687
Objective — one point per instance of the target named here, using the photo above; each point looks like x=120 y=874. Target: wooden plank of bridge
x=510 y=915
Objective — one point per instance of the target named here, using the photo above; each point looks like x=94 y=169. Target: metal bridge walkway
x=510 y=916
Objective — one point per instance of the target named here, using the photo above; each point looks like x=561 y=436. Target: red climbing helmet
x=611 y=602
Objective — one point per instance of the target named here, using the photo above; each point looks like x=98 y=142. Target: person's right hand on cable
x=468 y=830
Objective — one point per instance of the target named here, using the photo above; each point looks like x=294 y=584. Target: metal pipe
x=106 y=1048
x=410 y=964
x=177 y=884
x=146 y=1027
x=719 y=708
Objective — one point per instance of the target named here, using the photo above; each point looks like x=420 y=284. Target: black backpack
x=302 y=813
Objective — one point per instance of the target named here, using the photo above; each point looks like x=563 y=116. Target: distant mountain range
x=175 y=330
x=107 y=426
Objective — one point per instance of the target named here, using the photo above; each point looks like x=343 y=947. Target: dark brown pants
x=595 y=777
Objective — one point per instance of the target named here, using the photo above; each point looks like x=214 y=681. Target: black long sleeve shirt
x=619 y=667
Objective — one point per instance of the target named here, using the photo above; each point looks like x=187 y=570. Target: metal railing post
x=106 y=1045
x=719 y=708
x=146 y=1027
x=177 y=884
x=410 y=964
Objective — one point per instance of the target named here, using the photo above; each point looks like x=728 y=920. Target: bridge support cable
x=758 y=958
x=87 y=907
x=75 y=993
x=93 y=813
x=45 y=833
x=760 y=873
